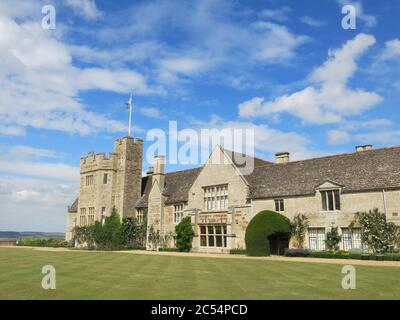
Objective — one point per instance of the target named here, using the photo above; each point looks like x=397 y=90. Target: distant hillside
x=24 y=234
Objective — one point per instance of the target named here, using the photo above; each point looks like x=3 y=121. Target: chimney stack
x=364 y=148
x=159 y=162
x=282 y=157
x=150 y=171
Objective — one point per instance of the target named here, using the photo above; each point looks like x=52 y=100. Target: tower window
x=89 y=180
x=91 y=216
x=105 y=177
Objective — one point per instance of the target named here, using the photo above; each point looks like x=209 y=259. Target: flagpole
x=130 y=115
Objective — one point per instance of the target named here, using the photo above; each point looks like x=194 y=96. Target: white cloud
x=150 y=112
x=85 y=8
x=19 y=151
x=312 y=22
x=266 y=139
x=58 y=171
x=12 y=130
x=227 y=45
x=369 y=20
x=40 y=83
x=34 y=204
x=277 y=43
x=338 y=137
x=382 y=136
x=185 y=65
x=22 y=160
x=391 y=50
x=279 y=14
x=332 y=99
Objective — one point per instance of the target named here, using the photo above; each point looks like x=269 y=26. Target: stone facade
x=221 y=201
x=106 y=182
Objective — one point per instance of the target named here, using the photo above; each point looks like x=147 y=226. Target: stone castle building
x=221 y=199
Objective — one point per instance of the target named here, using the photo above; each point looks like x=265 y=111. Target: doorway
x=278 y=242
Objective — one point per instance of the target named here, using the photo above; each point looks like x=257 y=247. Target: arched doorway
x=267 y=233
x=278 y=242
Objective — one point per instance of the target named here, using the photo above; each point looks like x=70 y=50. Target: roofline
x=330 y=156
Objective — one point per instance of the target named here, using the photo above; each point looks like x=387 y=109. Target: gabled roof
x=177 y=185
x=375 y=169
x=240 y=160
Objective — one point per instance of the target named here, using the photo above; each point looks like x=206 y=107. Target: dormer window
x=330 y=200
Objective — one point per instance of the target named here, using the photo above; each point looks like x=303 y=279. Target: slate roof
x=369 y=170
x=177 y=185
x=241 y=160
x=74 y=206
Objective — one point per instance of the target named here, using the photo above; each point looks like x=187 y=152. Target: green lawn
x=113 y=275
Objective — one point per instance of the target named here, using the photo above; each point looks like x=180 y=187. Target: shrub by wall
x=263 y=225
x=184 y=235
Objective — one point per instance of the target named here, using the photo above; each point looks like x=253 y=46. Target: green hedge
x=237 y=251
x=169 y=249
x=38 y=242
x=134 y=248
x=262 y=226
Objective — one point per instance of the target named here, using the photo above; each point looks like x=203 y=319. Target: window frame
x=215 y=198
x=319 y=236
x=89 y=180
x=214 y=234
x=330 y=200
x=279 y=205
x=140 y=215
x=82 y=217
x=178 y=212
x=91 y=216
x=351 y=238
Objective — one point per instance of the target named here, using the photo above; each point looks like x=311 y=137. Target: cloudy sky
x=287 y=69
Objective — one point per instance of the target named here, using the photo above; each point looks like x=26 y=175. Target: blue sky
x=287 y=69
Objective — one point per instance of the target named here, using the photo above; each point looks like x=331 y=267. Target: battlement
x=99 y=161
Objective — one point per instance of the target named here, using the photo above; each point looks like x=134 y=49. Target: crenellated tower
x=127 y=187
x=107 y=181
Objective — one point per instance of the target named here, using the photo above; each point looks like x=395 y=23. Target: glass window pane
x=218 y=241
x=211 y=241
x=337 y=200
x=203 y=241
x=218 y=229
x=356 y=235
x=323 y=196
x=330 y=200
x=202 y=230
x=210 y=230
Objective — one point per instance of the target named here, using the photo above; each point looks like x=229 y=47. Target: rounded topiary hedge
x=263 y=225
